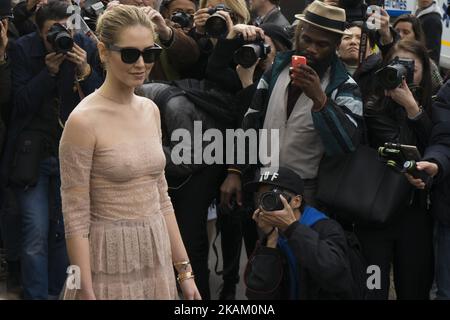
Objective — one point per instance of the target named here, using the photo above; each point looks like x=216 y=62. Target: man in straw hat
x=316 y=107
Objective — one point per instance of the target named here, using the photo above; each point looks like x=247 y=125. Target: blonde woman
x=120 y=225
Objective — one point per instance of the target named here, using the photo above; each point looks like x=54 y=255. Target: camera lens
x=64 y=42
x=247 y=55
x=216 y=26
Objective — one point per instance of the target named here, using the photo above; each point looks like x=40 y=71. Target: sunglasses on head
x=131 y=55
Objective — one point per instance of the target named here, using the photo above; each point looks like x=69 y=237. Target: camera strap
x=363 y=44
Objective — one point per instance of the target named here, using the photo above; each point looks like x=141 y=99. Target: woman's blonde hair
x=239 y=7
x=114 y=20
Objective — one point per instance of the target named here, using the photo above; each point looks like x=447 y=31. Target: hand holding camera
x=404 y=97
x=249 y=33
x=53 y=61
x=429 y=168
x=200 y=18
x=281 y=218
x=79 y=57
x=306 y=78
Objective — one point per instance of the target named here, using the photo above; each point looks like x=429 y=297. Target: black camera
x=60 y=38
x=392 y=75
x=216 y=25
x=183 y=19
x=396 y=155
x=248 y=54
x=270 y=201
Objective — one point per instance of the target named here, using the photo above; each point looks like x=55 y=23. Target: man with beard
x=316 y=107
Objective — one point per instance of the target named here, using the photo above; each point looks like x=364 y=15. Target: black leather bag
x=359 y=188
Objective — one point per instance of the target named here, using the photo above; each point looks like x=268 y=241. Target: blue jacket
x=439 y=152
x=33 y=86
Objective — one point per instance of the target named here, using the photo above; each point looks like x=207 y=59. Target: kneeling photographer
x=400 y=113
x=303 y=253
x=52 y=70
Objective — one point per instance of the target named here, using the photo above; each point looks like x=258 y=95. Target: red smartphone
x=297 y=61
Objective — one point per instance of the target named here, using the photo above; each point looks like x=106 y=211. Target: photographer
x=303 y=254
x=242 y=80
x=49 y=78
x=210 y=23
x=436 y=163
x=408 y=27
x=180 y=51
x=430 y=13
x=402 y=115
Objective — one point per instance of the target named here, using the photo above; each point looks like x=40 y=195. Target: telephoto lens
x=216 y=25
x=60 y=38
x=248 y=54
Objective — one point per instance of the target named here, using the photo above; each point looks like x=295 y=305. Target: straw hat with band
x=324 y=16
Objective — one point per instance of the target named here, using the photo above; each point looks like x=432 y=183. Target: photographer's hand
x=270 y=231
x=249 y=33
x=79 y=57
x=430 y=168
x=231 y=186
x=384 y=31
x=280 y=219
x=307 y=79
x=53 y=61
x=200 y=18
x=404 y=97
x=161 y=28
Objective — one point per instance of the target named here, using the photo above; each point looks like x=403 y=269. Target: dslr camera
x=60 y=38
x=392 y=75
x=216 y=25
x=249 y=53
x=270 y=201
x=183 y=19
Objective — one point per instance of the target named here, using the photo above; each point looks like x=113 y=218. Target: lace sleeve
x=165 y=203
x=75 y=153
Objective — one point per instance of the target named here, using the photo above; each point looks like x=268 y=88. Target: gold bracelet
x=181 y=263
x=185 y=276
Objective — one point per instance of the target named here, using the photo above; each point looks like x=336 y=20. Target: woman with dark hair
x=408 y=27
x=402 y=115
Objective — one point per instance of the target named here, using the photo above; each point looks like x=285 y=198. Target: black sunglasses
x=131 y=55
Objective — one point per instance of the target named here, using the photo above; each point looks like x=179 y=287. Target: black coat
x=276 y=17
x=5 y=92
x=439 y=152
x=323 y=268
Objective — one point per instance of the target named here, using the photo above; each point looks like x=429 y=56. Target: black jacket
x=182 y=103
x=5 y=92
x=365 y=74
x=439 y=152
x=323 y=267
x=431 y=19
x=276 y=17
x=387 y=121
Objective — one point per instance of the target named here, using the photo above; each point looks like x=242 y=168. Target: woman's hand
x=249 y=33
x=189 y=289
x=404 y=97
x=200 y=18
x=161 y=28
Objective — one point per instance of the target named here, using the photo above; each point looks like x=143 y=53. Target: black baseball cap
x=281 y=177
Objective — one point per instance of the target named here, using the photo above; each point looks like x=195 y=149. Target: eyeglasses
x=131 y=55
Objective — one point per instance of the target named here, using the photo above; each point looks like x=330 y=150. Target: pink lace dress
x=116 y=194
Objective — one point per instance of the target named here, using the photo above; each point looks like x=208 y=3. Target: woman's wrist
x=412 y=109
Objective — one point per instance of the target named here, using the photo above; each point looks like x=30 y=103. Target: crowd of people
x=90 y=175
